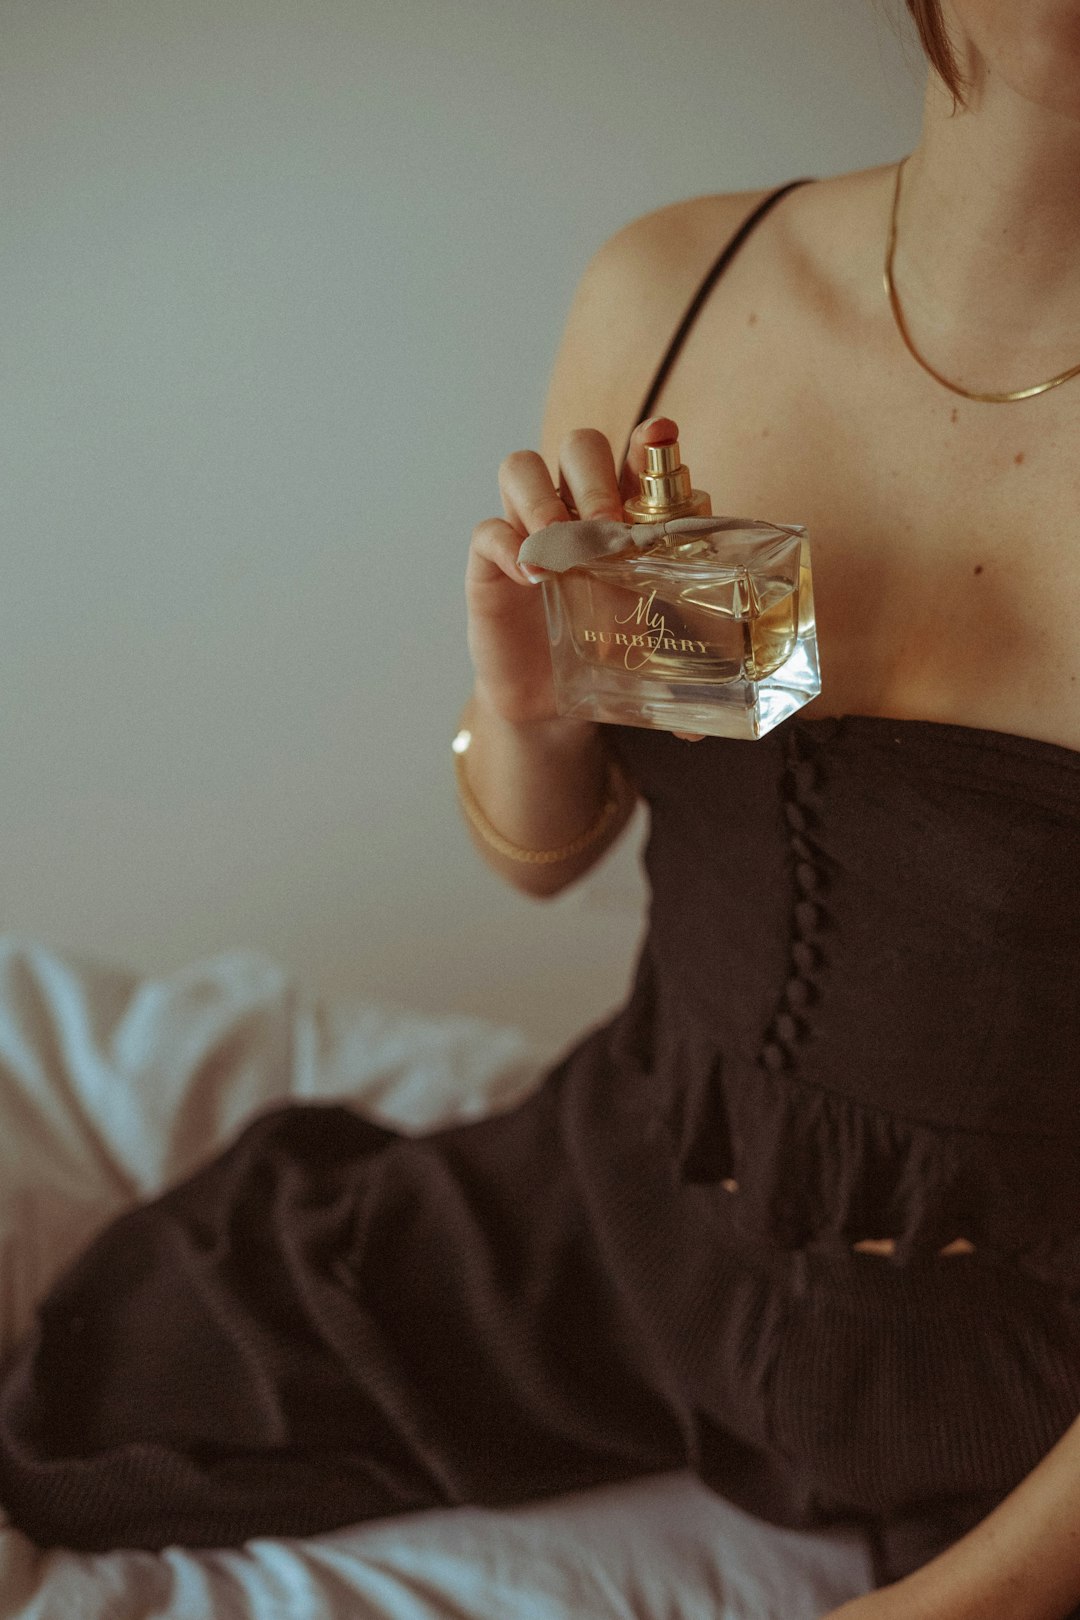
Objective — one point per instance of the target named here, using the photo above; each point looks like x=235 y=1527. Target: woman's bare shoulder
x=691 y=218
x=665 y=252
x=668 y=250
x=638 y=283
x=629 y=299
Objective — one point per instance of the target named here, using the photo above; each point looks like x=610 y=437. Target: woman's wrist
x=560 y=736
x=544 y=797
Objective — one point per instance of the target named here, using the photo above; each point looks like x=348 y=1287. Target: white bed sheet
x=113 y=1086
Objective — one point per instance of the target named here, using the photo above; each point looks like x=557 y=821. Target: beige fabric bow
x=572 y=545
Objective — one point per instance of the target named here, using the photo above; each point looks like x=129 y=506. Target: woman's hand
x=507 y=632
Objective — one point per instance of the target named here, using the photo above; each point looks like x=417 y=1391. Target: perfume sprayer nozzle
x=665 y=483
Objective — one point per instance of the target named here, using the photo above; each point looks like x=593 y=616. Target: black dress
x=856 y=1014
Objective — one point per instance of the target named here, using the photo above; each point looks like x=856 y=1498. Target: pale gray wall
x=282 y=286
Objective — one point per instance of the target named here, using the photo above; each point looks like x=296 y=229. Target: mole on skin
x=978 y=568
x=1018 y=458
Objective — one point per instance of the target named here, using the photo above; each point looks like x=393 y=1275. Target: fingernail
x=667 y=437
x=528 y=575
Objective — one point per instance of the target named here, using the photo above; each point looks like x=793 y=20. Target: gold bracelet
x=514 y=852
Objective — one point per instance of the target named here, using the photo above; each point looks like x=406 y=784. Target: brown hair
x=938 y=46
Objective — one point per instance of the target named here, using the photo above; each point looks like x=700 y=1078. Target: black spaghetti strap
x=699 y=298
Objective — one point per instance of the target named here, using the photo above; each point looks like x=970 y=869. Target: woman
x=939 y=497
x=803 y=1215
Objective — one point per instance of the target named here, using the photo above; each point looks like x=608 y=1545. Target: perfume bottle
x=678 y=620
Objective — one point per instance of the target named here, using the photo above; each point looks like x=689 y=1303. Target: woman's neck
x=987 y=260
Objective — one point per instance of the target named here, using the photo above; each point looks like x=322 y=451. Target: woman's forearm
x=1022 y=1562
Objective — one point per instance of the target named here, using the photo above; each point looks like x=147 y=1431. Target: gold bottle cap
x=665 y=487
x=665 y=481
x=663 y=458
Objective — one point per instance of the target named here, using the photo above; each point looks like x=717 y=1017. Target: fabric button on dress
x=804 y=775
x=806 y=956
x=808 y=916
x=787 y=1028
x=798 y=994
x=806 y=877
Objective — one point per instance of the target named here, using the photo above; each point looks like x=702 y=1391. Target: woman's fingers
x=530 y=499
x=493 y=554
x=589 y=484
x=587 y=477
x=589 y=487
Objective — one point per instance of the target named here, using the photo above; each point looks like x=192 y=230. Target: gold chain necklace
x=968 y=393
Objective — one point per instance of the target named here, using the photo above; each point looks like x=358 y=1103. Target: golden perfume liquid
x=710 y=633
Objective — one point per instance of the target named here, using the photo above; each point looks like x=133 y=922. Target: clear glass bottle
x=710 y=633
